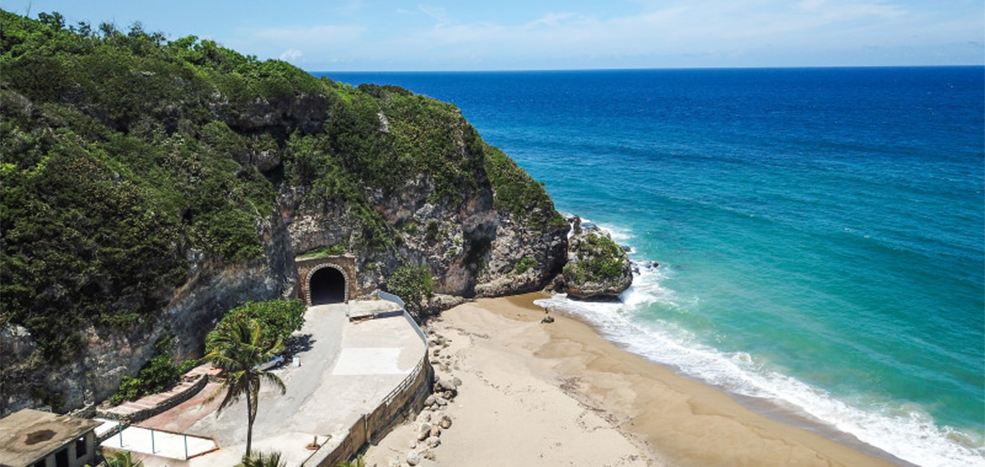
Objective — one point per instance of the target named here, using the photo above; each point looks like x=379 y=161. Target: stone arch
x=332 y=269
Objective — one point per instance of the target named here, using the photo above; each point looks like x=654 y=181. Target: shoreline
x=641 y=412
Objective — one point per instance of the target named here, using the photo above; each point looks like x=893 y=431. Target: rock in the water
x=547 y=319
x=413 y=459
x=597 y=267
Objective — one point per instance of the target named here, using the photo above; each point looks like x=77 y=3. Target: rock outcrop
x=140 y=206
x=597 y=267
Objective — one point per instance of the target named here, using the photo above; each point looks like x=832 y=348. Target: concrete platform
x=347 y=371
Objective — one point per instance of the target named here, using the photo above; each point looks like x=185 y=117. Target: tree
x=278 y=318
x=237 y=351
x=414 y=285
x=123 y=459
x=263 y=459
x=357 y=462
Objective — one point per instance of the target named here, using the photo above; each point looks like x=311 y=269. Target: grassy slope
x=122 y=150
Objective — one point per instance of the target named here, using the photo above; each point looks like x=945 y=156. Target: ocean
x=819 y=232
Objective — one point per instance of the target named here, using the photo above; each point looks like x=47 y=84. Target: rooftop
x=29 y=435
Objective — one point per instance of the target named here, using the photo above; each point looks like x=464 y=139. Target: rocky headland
x=151 y=185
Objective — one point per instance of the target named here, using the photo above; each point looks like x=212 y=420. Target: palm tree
x=357 y=462
x=123 y=459
x=238 y=349
x=263 y=459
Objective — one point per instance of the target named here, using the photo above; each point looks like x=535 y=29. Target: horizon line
x=561 y=70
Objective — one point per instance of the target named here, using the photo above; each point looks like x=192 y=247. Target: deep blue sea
x=820 y=232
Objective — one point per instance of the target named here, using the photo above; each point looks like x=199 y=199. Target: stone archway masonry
x=345 y=264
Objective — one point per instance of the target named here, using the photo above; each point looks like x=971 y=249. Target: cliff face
x=149 y=187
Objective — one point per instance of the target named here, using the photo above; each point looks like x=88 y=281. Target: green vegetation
x=525 y=264
x=600 y=259
x=47 y=396
x=237 y=351
x=414 y=285
x=121 y=152
x=157 y=375
x=123 y=459
x=325 y=251
x=357 y=462
x=263 y=459
x=278 y=318
x=518 y=194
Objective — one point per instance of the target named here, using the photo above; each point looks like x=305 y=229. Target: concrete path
x=348 y=370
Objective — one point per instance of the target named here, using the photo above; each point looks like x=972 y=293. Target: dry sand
x=559 y=395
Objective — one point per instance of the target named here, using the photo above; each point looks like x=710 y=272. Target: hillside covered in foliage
x=131 y=163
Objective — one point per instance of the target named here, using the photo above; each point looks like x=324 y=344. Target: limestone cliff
x=150 y=186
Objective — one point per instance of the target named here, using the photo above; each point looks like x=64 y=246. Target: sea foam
x=901 y=429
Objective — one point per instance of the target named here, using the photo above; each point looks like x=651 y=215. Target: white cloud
x=711 y=26
x=314 y=35
x=291 y=55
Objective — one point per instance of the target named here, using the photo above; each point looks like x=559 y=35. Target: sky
x=444 y=35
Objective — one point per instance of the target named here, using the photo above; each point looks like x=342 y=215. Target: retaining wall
x=115 y=413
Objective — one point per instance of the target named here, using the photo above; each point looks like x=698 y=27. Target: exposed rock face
x=109 y=355
x=470 y=248
x=597 y=267
x=181 y=195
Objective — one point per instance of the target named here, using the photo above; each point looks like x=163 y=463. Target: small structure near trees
x=31 y=438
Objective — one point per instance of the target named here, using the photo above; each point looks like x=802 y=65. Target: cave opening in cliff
x=327 y=285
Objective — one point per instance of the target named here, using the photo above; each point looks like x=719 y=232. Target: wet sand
x=558 y=394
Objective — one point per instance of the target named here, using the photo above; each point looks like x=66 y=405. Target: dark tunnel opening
x=327 y=286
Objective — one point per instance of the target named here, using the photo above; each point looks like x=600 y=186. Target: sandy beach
x=558 y=394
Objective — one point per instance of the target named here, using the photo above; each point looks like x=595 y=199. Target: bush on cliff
x=414 y=285
x=278 y=318
x=600 y=260
x=123 y=154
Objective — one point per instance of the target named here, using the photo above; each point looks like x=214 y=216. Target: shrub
x=525 y=264
x=414 y=285
x=278 y=318
x=156 y=376
x=600 y=259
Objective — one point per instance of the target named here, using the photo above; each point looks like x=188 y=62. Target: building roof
x=30 y=435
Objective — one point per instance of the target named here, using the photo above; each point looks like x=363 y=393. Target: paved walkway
x=347 y=371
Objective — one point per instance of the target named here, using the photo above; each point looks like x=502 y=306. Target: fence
x=407 y=396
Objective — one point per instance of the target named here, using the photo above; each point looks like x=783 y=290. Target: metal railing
x=420 y=333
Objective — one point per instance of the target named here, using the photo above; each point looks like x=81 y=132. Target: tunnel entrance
x=327 y=285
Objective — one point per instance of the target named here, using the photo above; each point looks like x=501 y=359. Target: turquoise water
x=820 y=232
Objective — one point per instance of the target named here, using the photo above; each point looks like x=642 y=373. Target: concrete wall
x=73 y=461
x=143 y=414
